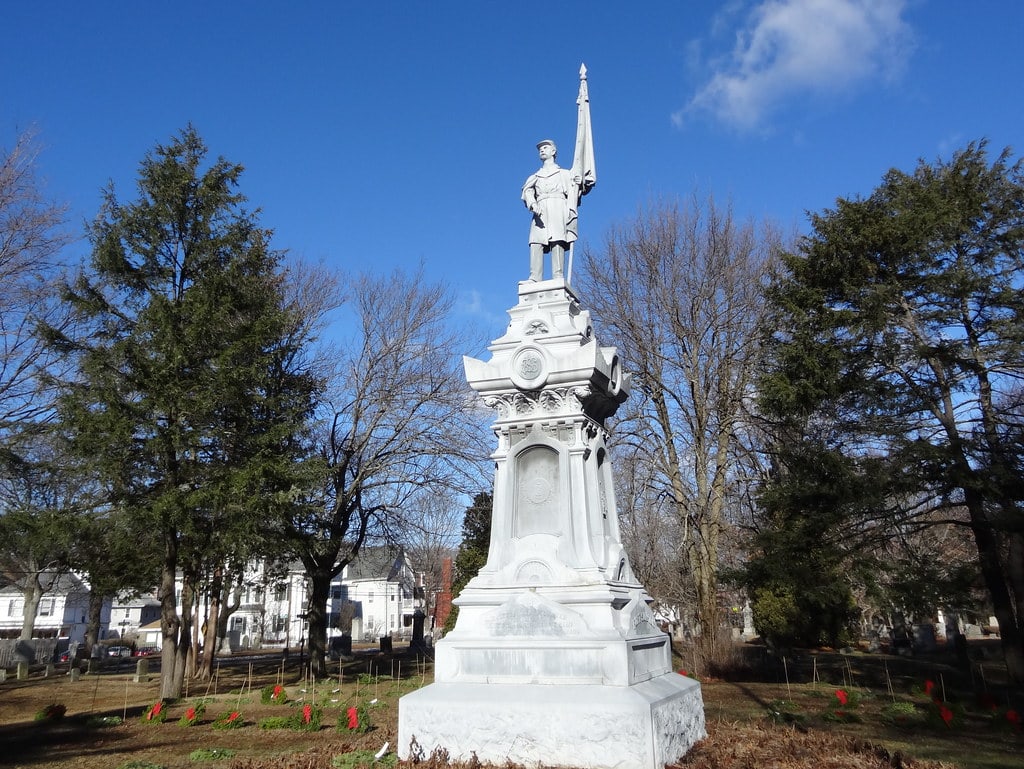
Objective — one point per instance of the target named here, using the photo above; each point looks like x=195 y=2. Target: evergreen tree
x=180 y=402
x=898 y=348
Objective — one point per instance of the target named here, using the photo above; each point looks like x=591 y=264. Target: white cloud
x=795 y=47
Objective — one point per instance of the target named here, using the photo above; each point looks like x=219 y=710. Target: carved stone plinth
x=555 y=657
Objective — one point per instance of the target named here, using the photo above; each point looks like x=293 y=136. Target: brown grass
x=769 y=716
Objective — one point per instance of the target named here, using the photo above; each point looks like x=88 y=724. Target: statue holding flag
x=553 y=194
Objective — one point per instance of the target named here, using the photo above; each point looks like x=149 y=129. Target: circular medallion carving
x=529 y=368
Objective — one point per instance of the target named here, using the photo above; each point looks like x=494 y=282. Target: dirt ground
x=771 y=713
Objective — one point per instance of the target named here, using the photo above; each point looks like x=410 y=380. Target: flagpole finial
x=583 y=71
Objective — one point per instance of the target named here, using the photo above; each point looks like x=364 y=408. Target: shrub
x=230 y=720
x=902 y=714
x=155 y=713
x=307 y=719
x=52 y=712
x=211 y=754
x=355 y=719
x=192 y=714
x=273 y=694
x=358 y=759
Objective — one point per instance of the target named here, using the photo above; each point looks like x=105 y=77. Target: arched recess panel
x=537 y=491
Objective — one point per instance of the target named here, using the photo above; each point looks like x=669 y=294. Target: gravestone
x=141 y=671
x=556 y=657
x=3 y=675
x=22 y=671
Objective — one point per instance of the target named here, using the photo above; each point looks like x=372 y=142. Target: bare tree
x=431 y=532
x=31 y=237
x=678 y=289
x=398 y=419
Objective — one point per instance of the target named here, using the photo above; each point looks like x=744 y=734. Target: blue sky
x=378 y=135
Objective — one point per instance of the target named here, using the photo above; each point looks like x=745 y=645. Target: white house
x=376 y=593
x=62 y=610
x=381 y=584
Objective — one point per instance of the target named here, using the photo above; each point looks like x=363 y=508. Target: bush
x=307 y=719
x=230 y=720
x=211 y=754
x=52 y=712
x=358 y=759
x=273 y=694
x=155 y=714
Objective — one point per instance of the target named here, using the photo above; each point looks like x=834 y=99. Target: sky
x=387 y=135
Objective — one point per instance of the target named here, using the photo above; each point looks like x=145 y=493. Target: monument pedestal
x=590 y=725
x=556 y=657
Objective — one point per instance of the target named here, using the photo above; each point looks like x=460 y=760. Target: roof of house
x=383 y=563
x=65 y=582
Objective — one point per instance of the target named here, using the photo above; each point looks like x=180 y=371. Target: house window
x=336 y=594
x=46 y=607
x=370 y=597
x=15 y=607
x=280 y=591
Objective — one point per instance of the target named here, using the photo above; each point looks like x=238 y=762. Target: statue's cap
x=542 y=142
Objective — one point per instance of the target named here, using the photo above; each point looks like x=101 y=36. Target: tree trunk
x=170 y=623
x=92 y=626
x=320 y=591
x=32 y=593
x=211 y=628
x=1010 y=631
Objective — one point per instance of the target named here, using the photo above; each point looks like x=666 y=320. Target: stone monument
x=556 y=658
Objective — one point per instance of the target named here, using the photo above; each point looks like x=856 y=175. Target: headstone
x=385 y=644
x=3 y=675
x=22 y=671
x=417 y=643
x=748 y=622
x=49 y=670
x=75 y=674
x=556 y=657
x=141 y=671
x=924 y=638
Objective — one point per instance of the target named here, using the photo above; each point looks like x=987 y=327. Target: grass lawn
x=764 y=714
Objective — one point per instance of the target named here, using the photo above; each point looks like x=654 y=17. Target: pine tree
x=182 y=401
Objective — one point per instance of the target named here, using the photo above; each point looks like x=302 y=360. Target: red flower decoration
x=1013 y=717
x=307 y=713
x=842 y=696
x=946 y=714
x=154 y=711
x=353 y=718
x=234 y=716
x=277 y=692
x=928 y=686
x=190 y=714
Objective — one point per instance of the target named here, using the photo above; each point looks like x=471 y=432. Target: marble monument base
x=590 y=726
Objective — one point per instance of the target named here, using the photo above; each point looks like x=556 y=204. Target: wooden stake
x=785 y=667
x=124 y=713
x=942 y=681
x=888 y=682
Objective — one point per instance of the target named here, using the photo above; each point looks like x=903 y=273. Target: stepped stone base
x=591 y=726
